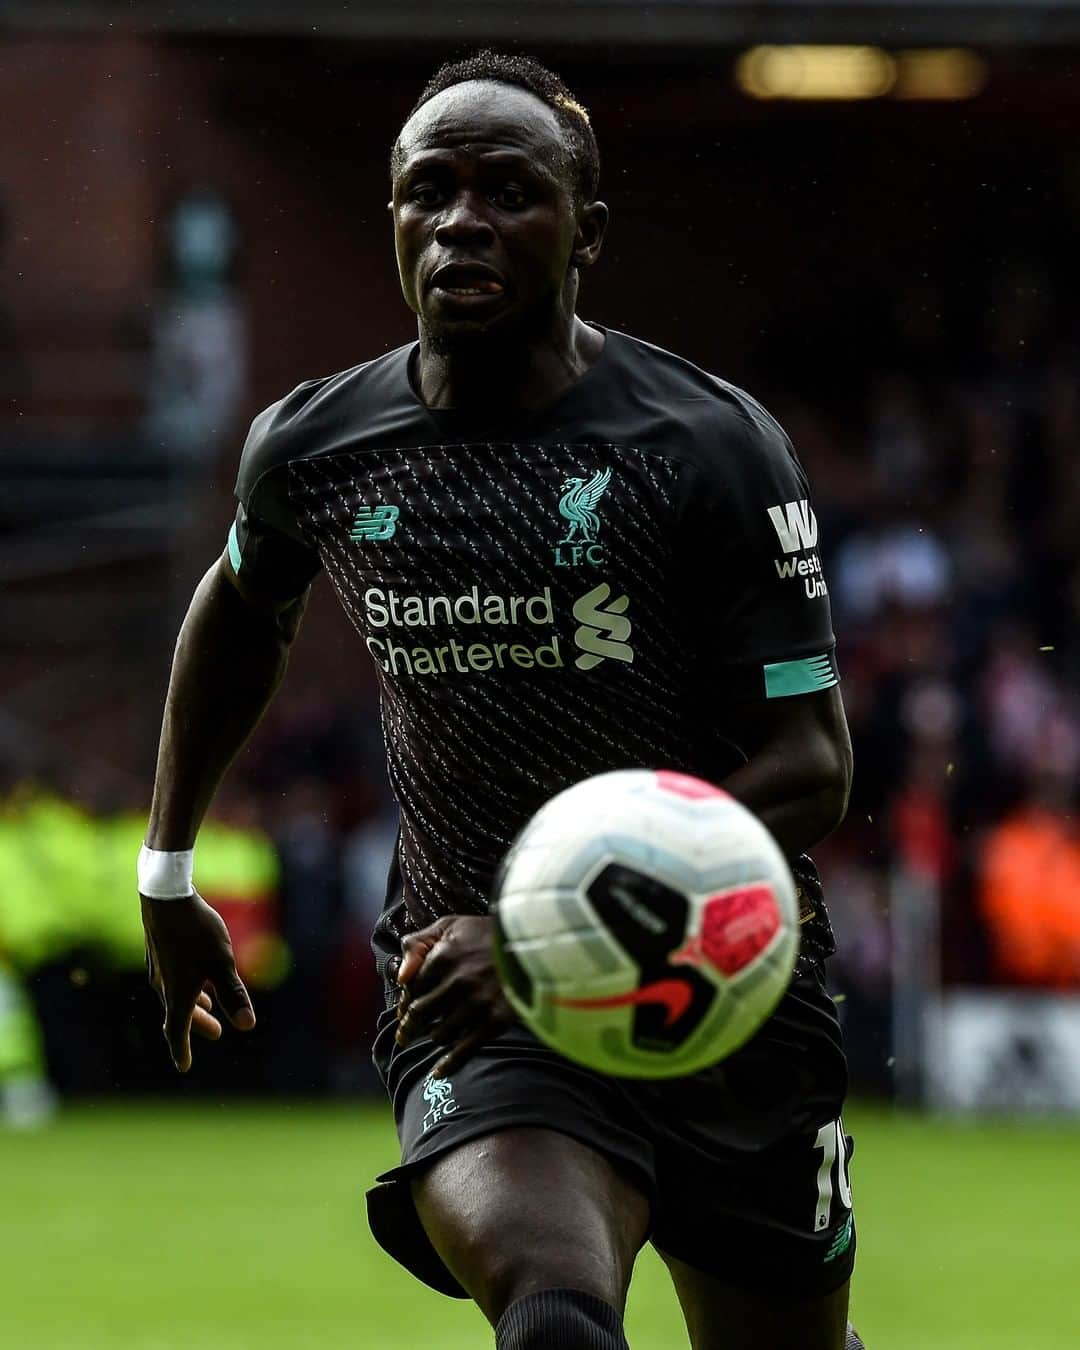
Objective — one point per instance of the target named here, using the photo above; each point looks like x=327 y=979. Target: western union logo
x=795 y=525
x=375 y=522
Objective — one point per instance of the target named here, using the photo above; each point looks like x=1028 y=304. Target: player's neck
x=488 y=377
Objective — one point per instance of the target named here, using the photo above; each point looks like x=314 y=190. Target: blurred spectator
x=921 y=826
x=308 y=839
x=900 y=449
x=199 y=339
x=896 y=563
x=1021 y=701
x=26 y=1096
x=1029 y=878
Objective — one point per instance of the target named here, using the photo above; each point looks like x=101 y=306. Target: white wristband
x=165 y=876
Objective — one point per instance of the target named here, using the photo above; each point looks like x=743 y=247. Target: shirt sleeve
x=767 y=625
x=266 y=548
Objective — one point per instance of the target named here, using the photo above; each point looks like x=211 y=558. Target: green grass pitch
x=239 y=1226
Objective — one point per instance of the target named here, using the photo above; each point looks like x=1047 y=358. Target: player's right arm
x=230 y=657
x=229 y=661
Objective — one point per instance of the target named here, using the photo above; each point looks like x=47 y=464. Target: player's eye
x=424 y=194
x=511 y=196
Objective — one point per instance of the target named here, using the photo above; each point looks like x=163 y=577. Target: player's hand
x=449 y=988
x=189 y=958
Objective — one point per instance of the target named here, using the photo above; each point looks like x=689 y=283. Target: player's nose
x=463 y=221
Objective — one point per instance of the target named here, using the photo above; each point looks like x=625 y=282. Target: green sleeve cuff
x=808 y=675
x=234 y=548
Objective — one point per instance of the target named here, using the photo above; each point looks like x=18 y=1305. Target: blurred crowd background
x=190 y=224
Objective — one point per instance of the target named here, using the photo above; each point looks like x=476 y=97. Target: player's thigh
x=526 y=1209
x=723 y=1316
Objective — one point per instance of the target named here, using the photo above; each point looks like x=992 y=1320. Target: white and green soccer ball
x=646 y=924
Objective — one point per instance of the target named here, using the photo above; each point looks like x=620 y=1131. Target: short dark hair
x=526 y=73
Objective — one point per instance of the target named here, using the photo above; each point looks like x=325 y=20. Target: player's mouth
x=469 y=283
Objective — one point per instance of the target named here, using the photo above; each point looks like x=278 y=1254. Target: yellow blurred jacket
x=67 y=880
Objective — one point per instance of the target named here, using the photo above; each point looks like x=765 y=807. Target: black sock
x=560 y=1319
x=853 y=1342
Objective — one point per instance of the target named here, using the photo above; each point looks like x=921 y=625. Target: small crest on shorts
x=439 y=1095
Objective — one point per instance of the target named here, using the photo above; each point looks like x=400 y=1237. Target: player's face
x=484 y=220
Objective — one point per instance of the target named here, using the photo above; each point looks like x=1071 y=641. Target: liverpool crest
x=439 y=1095
x=577 y=506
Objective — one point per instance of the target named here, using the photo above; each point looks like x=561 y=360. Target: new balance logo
x=375 y=522
x=603 y=629
x=795 y=525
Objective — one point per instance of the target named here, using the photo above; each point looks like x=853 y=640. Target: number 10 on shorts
x=833 y=1145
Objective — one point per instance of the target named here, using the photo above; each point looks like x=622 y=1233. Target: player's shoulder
x=317 y=413
x=715 y=419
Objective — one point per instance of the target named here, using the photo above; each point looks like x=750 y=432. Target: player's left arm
x=797 y=775
x=768 y=678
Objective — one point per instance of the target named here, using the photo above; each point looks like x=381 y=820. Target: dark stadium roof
x=672 y=23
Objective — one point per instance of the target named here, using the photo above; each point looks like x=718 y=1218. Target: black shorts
x=744 y=1166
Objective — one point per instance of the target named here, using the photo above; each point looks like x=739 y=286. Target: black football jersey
x=597 y=585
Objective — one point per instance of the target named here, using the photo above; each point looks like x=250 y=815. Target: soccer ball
x=646 y=923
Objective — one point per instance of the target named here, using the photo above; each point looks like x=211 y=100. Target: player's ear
x=592 y=221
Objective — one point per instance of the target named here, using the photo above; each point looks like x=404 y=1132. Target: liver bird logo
x=437 y=1090
x=578 y=506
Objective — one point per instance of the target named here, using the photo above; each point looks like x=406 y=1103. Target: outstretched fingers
x=192 y=1011
x=233 y=997
x=203 y=1021
x=180 y=1008
x=191 y=967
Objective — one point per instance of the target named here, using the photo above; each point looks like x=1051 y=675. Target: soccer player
x=566 y=551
